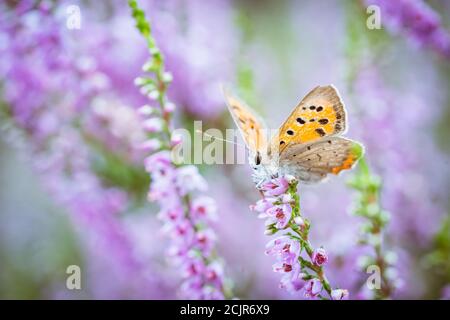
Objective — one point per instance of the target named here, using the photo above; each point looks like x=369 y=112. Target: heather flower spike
x=186 y=215
x=300 y=265
x=367 y=206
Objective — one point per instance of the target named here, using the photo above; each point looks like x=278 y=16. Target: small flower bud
x=290 y=179
x=287 y=198
x=150 y=145
x=176 y=139
x=146 y=110
x=148 y=66
x=270 y=231
x=153 y=125
x=169 y=107
x=300 y=222
x=153 y=94
x=139 y=81
x=167 y=77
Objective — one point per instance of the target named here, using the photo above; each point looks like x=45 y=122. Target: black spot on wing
x=301 y=121
x=320 y=132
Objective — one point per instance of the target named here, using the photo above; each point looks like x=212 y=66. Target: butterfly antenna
x=220 y=139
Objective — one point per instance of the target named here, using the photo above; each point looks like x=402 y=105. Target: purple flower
x=158 y=163
x=275 y=187
x=181 y=231
x=214 y=274
x=294 y=281
x=204 y=240
x=280 y=215
x=48 y=84
x=417 y=20
x=204 y=207
x=188 y=179
x=153 y=125
x=193 y=267
x=185 y=214
x=284 y=249
x=171 y=214
x=312 y=288
x=340 y=294
x=263 y=205
x=319 y=257
x=445 y=292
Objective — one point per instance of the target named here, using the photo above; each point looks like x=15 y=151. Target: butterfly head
x=256 y=160
x=263 y=168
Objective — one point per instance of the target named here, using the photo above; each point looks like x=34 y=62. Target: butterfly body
x=307 y=146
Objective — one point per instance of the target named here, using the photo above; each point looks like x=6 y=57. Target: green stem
x=303 y=234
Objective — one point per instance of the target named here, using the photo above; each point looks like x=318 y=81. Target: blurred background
x=73 y=188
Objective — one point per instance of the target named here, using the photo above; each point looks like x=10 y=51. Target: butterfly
x=307 y=146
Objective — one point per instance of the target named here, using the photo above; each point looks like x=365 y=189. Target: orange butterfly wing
x=251 y=127
x=321 y=113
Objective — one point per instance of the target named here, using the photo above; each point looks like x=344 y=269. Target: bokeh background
x=73 y=188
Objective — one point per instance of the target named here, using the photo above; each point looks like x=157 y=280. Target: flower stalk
x=367 y=205
x=301 y=264
x=187 y=216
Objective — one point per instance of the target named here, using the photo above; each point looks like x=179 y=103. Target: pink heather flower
x=293 y=282
x=192 y=288
x=177 y=253
x=312 y=288
x=263 y=205
x=280 y=215
x=182 y=231
x=153 y=125
x=282 y=267
x=204 y=207
x=319 y=257
x=340 y=294
x=284 y=249
x=193 y=267
x=275 y=187
x=158 y=163
x=204 y=240
x=172 y=214
x=214 y=273
x=188 y=179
